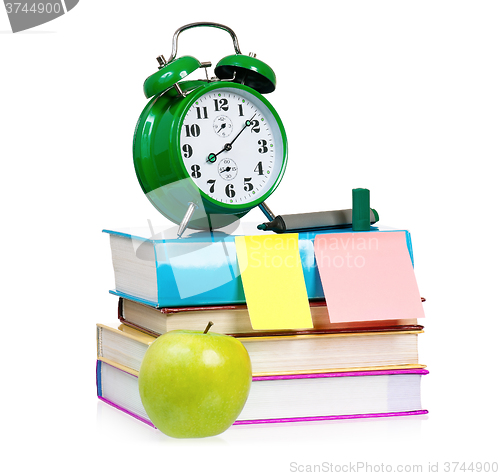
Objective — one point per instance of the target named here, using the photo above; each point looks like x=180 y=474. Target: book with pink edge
x=292 y=398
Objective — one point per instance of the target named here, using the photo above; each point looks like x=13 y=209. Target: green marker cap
x=360 y=209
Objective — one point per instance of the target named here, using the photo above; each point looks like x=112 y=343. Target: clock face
x=232 y=146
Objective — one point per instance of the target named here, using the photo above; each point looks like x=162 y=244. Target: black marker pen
x=313 y=221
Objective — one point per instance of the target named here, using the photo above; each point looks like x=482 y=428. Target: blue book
x=200 y=269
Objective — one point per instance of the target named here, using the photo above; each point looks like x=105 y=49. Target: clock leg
x=184 y=223
x=267 y=211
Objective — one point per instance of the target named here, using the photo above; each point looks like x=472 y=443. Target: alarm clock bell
x=207 y=151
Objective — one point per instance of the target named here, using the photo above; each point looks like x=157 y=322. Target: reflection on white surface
x=112 y=421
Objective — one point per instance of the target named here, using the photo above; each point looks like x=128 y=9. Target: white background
x=399 y=97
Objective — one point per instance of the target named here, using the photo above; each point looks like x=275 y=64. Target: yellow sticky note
x=273 y=281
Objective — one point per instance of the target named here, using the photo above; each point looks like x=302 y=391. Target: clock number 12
x=221 y=104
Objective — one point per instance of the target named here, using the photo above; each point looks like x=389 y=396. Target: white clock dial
x=232 y=146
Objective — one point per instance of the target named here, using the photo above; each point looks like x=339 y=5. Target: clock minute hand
x=227 y=147
x=248 y=123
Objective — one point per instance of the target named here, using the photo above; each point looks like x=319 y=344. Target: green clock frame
x=158 y=157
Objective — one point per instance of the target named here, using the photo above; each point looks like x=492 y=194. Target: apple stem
x=209 y=325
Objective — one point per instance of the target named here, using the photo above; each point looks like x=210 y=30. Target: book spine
x=98 y=378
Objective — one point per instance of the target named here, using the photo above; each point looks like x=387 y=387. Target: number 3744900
x=41 y=7
x=455 y=467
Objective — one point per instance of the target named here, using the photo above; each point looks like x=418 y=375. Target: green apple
x=194 y=384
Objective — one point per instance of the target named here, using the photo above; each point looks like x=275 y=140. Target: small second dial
x=223 y=126
x=227 y=169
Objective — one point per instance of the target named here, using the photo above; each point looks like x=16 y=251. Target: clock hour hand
x=213 y=157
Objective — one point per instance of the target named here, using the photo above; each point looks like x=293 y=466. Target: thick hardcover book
x=294 y=354
x=292 y=398
x=202 y=269
x=233 y=319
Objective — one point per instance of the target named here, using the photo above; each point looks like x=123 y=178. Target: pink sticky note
x=367 y=276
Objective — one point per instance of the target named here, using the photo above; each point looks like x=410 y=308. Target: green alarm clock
x=207 y=151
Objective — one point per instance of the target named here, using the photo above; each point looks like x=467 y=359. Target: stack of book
x=334 y=370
